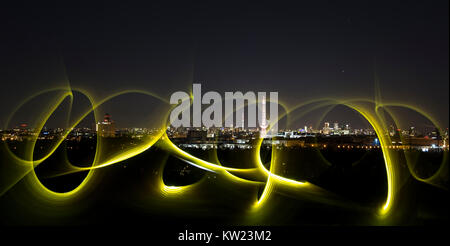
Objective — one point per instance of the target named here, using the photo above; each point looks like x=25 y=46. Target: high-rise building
x=106 y=128
x=347 y=127
x=326 y=129
x=336 y=126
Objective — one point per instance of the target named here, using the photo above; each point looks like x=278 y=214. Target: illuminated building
x=326 y=128
x=106 y=128
x=336 y=126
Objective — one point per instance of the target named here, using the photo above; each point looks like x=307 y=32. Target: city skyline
x=347 y=125
x=240 y=136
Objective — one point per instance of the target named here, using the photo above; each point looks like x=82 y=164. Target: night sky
x=304 y=51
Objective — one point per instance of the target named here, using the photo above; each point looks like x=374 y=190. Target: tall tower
x=263 y=122
x=326 y=128
x=243 y=121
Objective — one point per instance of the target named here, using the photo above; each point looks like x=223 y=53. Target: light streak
x=255 y=176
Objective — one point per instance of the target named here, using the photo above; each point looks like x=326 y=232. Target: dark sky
x=307 y=50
